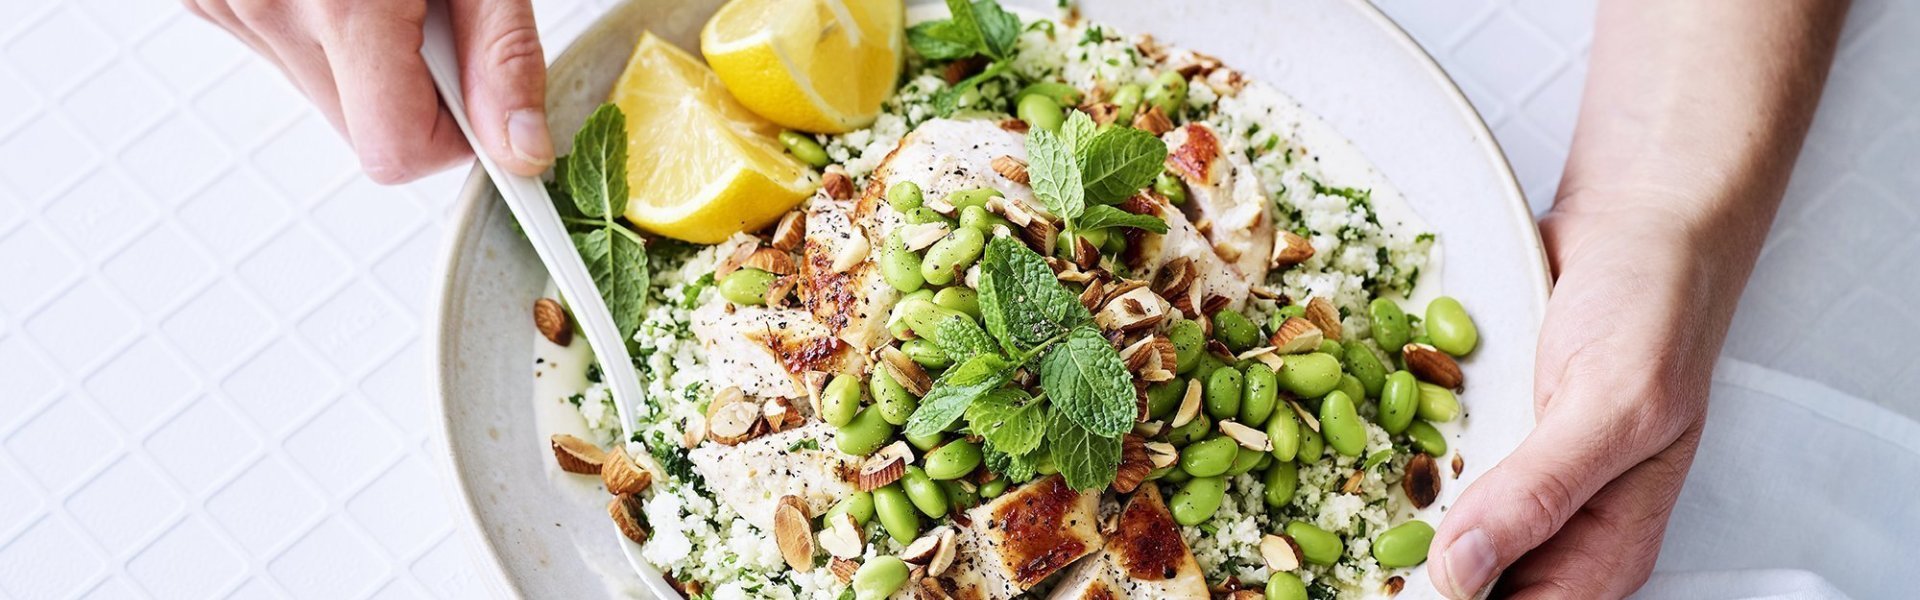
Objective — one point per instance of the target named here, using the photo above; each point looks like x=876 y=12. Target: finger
x=387 y=100
x=1608 y=549
x=295 y=52
x=503 y=72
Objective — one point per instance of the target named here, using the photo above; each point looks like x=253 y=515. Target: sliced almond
x=1149 y=429
x=1289 y=249
x=734 y=260
x=623 y=476
x=1141 y=355
x=626 y=512
x=780 y=415
x=793 y=532
x=693 y=431
x=841 y=537
x=732 y=418
x=771 y=260
x=1394 y=585
x=1254 y=353
x=837 y=185
x=1135 y=465
x=1459 y=464
x=1247 y=437
x=907 y=373
x=1094 y=293
x=1246 y=595
x=944 y=555
x=1306 y=416
x=551 y=319
x=852 y=251
x=781 y=287
x=1133 y=310
x=921 y=551
x=1162 y=454
x=791 y=232
x=1422 y=480
x=1353 y=483
x=1153 y=121
x=1085 y=253
x=1432 y=366
x=1038 y=234
x=843 y=569
x=1280 y=553
x=1189 y=406
x=1272 y=360
x=1014 y=169
x=919 y=236
x=576 y=455
x=1156 y=375
x=884 y=466
x=1296 y=335
x=1323 y=315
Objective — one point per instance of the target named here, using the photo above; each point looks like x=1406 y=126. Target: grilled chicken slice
x=1223 y=190
x=852 y=304
x=752 y=476
x=1144 y=559
x=1021 y=538
x=943 y=156
x=1212 y=275
x=764 y=350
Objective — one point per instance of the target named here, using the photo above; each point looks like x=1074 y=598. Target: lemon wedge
x=814 y=65
x=700 y=166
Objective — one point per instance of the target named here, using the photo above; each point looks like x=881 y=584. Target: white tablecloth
x=212 y=371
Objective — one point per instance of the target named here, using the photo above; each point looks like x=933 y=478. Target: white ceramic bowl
x=1342 y=59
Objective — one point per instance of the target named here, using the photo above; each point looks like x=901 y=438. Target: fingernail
x=527 y=136
x=1470 y=563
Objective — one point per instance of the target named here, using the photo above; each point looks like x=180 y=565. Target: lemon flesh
x=813 y=65
x=700 y=166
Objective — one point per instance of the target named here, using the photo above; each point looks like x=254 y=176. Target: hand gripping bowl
x=537 y=535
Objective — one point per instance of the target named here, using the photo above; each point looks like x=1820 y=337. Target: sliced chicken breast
x=1144 y=559
x=943 y=156
x=765 y=350
x=1223 y=190
x=1213 y=276
x=752 y=476
x=852 y=303
x=1023 y=537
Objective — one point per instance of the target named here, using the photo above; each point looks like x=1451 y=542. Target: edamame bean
x=880 y=577
x=1169 y=186
x=1127 y=100
x=1234 y=330
x=977 y=217
x=1399 y=400
x=1340 y=423
x=1168 y=93
x=1206 y=365
x=1045 y=465
x=961 y=199
x=1427 y=438
x=905 y=196
x=1283 y=479
x=925 y=214
x=840 y=400
x=803 y=147
x=1352 y=386
x=746 y=286
x=1223 y=389
x=1060 y=93
x=859 y=504
x=1193 y=431
x=923 y=317
x=1282 y=585
x=867 y=432
x=1313 y=447
x=993 y=489
x=1261 y=396
x=900 y=266
x=1164 y=397
x=1210 y=457
x=1321 y=547
x=951 y=256
x=960 y=299
x=1246 y=461
x=925 y=353
x=1310 y=375
x=1197 y=500
x=891 y=399
x=1363 y=364
x=925 y=443
x=1452 y=330
x=1330 y=347
x=1175 y=475
x=1390 y=327
x=959 y=496
x=954 y=460
x=924 y=492
x=1438 y=404
x=1189 y=342
x=1283 y=429
x=1040 y=112
x=897 y=513
x=1404 y=545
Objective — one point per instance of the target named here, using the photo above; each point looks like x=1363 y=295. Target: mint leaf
x=947 y=100
x=618 y=263
x=1101 y=216
x=1088 y=461
x=1119 y=162
x=957 y=389
x=1055 y=175
x=961 y=339
x=596 y=172
x=1088 y=383
x=1024 y=306
x=1016 y=468
x=1077 y=132
x=941 y=40
x=993 y=30
x=1010 y=420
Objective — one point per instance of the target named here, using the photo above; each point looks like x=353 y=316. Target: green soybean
x=1210 y=457
x=1399 y=400
x=1040 y=112
x=1283 y=429
x=1169 y=186
x=840 y=400
x=954 y=460
x=890 y=398
x=1340 y=423
x=1193 y=431
x=1452 y=330
x=1282 y=480
x=1404 y=545
x=926 y=214
x=905 y=196
x=1363 y=364
x=859 y=504
x=1189 y=342
x=1312 y=446
x=960 y=299
x=1246 y=461
x=923 y=317
x=1282 y=585
x=1438 y=404
x=1168 y=93
x=1351 y=385
x=1197 y=500
x=1060 y=93
x=1262 y=394
x=897 y=513
x=927 y=442
x=1427 y=438
x=961 y=199
x=1206 y=365
x=1127 y=99
x=1224 y=389
x=1164 y=397
x=924 y=493
x=1045 y=465
x=1310 y=375
x=960 y=495
x=1173 y=475
x=1234 y=330
x=746 y=286
x=867 y=432
x=925 y=353
x=993 y=489
x=951 y=256
x=977 y=217
x=1389 y=324
x=900 y=266
x=804 y=148
x=1321 y=547
x=1330 y=347
x=880 y=577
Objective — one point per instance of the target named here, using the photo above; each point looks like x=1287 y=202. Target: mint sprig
x=980 y=28
x=1087 y=460
x=1024 y=306
x=1081 y=172
x=594 y=184
x=1089 y=384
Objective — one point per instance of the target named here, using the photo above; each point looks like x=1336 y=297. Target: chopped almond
x=1280 y=553
x=1247 y=437
x=1189 y=405
x=771 y=260
x=851 y=253
x=1422 y=480
x=791 y=232
x=623 y=476
x=1432 y=366
x=1289 y=249
x=1014 y=169
x=551 y=319
x=1296 y=335
x=576 y=455
x=793 y=532
x=904 y=371
x=1135 y=465
x=884 y=467
x=841 y=537
x=837 y=184
x=1323 y=315
x=732 y=418
x=626 y=510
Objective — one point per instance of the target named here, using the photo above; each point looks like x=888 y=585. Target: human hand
x=359 y=62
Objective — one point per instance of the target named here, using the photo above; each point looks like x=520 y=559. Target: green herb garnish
x=595 y=178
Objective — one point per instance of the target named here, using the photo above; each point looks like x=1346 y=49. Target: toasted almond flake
x=1135 y=309
x=1297 y=335
x=1149 y=428
x=1162 y=454
x=793 y=532
x=904 y=371
x=626 y=511
x=1421 y=481
x=623 y=476
x=1459 y=464
x=1189 y=406
x=919 y=236
x=1156 y=375
x=780 y=289
x=837 y=185
x=1395 y=584
x=551 y=320
x=732 y=418
x=734 y=260
x=1353 y=483
x=841 y=537
x=1280 y=553
x=791 y=232
x=851 y=253
x=576 y=455
x=1153 y=121
x=693 y=431
x=1247 y=437
x=1323 y=315
x=1272 y=360
x=884 y=466
x=1254 y=353
x=1014 y=169
x=1305 y=415
x=771 y=260
x=780 y=414
x=1431 y=365
x=1289 y=249
x=921 y=551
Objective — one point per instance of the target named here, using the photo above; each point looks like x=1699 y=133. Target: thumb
x=1525 y=499
x=504 y=73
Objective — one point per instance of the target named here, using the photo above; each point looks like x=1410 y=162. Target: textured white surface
x=212 y=378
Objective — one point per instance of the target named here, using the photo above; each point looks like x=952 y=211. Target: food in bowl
x=1074 y=314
